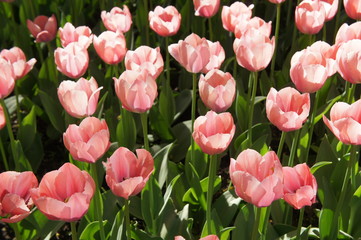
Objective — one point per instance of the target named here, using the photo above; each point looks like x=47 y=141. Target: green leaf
x=21 y=162
x=126 y=130
x=159 y=124
x=167 y=103
x=91 y=231
x=182 y=102
x=325 y=223
x=216 y=225
x=226 y=206
x=182 y=133
x=53 y=110
x=244 y=220
x=118 y=229
x=195 y=194
x=27 y=130
x=139 y=234
x=161 y=164
x=318 y=165
x=199 y=162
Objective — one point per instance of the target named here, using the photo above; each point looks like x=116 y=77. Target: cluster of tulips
x=65 y=194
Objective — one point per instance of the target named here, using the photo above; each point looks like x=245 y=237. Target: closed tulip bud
x=145 y=58
x=89 y=141
x=214 y=132
x=345 y=122
x=310 y=16
x=73 y=60
x=348 y=32
x=43 y=28
x=217 y=90
x=110 y=47
x=300 y=186
x=257 y=23
x=7 y=78
x=82 y=35
x=79 y=99
x=347 y=59
x=206 y=8
x=117 y=20
x=126 y=173
x=353 y=8
x=15 y=201
x=330 y=7
x=136 y=90
x=216 y=58
x=257 y=179
x=165 y=21
x=64 y=194
x=237 y=13
x=17 y=58
x=287 y=109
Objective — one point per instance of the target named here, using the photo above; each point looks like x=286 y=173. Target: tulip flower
x=2 y=118
x=43 y=28
x=217 y=90
x=348 y=32
x=347 y=59
x=353 y=8
x=136 y=90
x=126 y=173
x=312 y=66
x=17 y=58
x=88 y=141
x=165 y=21
x=257 y=23
x=15 y=201
x=330 y=7
x=310 y=16
x=117 y=19
x=257 y=179
x=300 y=186
x=345 y=122
x=64 y=194
x=82 y=35
x=287 y=109
x=7 y=78
x=237 y=13
x=214 y=132
x=209 y=237
x=73 y=60
x=145 y=58
x=110 y=47
x=206 y=8
x=217 y=56
x=276 y=1
x=80 y=98
x=254 y=50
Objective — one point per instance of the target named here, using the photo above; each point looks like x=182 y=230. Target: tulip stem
x=16 y=230
x=18 y=116
x=273 y=63
x=300 y=220
x=144 y=119
x=167 y=60
x=194 y=99
x=127 y=219
x=210 y=29
x=211 y=179
x=280 y=145
x=265 y=224
x=74 y=235
x=350 y=91
x=3 y=155
x=294 y=148
x=97 y=200
x=312 y=125
x=256 y=223
x=251 y=110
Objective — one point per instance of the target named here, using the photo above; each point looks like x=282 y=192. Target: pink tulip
x=165 y=21
x=237 y=13
x=347 y=58
x=80 y=98
x=353 y=8
x=287 y=109
x=348 y=32
x=311 y=67
x=127 y=174
x=43 y=28
x=117 y=19
x=136 y=90
x=300 y=186
x=217 y=56
x=257 y=23
x=214 y=132
x=217 y=90
x=209 y=237
x=192 y=53
x=15 y=201
x=276 y=1
x=2 y=118
x=64 y=194
x=257 y=180
x=254 y=50
x=7 y=78
x=17 y=58
x=206 y=8
x=345 y=122
x=88 y=141
x=110 y=46
x=330 y=7
x=72 y=60
x=145 y=58
x=310 y=16
x=82 y=35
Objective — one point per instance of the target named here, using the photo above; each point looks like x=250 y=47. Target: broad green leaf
x=167 y=103
x=244 y=222
x=216 y=225
x=182 y=102
x=226 y=206
x=91 y=232
x=199 y=162
x=159 y=124
x=196 y=194
x=325 y=222
x=126 y=130
x=182 y=133
x=27 y=130
x=118 y=229
x=161 y=164
x=318 y=165
x=53 y=110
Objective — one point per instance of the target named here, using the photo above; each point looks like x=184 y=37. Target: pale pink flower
x=237 y=13
x=165 y=21
x=117 y=20
x=206 y=8
x=110 y=47
x=17 y=58
x=83 y=35
x=310 y=16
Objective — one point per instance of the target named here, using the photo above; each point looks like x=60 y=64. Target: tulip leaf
x=215 y=225
x=355 y=205
x=53 y=110
x=161 y=164
x=182 y=133
x=200 y=160
x=159 y=124
x=196 y=194
x=91 y=231
x=182 y=102
x=167 y=103
x=126 y=130
x=318 y=165
x=226 y=206
x=139 y=234
x=243 y=223
x=118 y=231
x=27 y=130
x=21 y=162
x=325 y=222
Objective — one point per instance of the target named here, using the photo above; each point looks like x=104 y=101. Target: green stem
x=265 y=224
x=235 y=68
x=280 y=145
x=3 y=156
x=251 y=110
x=324 y=33
x=167 y=60
x=127 y=219
x=211 y=179
x=350 y=92
x=74 y=235
x=312 y=125
x=194 y=99
x=210 y=29
x=300 y=220
x=294 y=148
x=256 y=223
x=16 y=230
x=18 y=116
x=353 y=159
x=97 y=200
x=144 y=119
x=273 y=63
x=289 y=12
